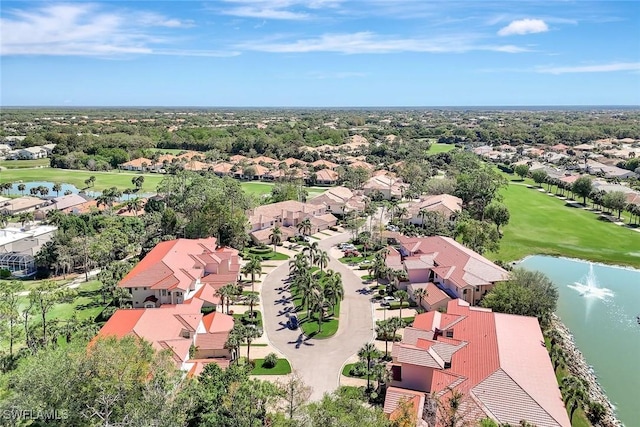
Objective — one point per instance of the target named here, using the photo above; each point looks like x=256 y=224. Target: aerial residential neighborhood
x=389 y=281
x=326 y=213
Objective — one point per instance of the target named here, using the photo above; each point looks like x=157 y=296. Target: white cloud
x=524 y=26
x=368 y=42
x=265 y=13
x=291 y=10
x=600 y=68
x=89 y=30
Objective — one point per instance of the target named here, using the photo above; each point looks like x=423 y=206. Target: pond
x=600 y=305
x=65 y=187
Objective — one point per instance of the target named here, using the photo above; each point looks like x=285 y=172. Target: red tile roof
x=454 y=261
x=217 y=322
x=179 y=263
x=498 y=361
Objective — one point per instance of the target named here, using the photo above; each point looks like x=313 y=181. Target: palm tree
x=4 y=219
x=298 y=264
x=558 y=357
x=121 y=295
x=306 y=283
x=252 y=299
x=322 y=259
x=422 y=214
x=249 y=334
x=333 y=289
x=21 y=188
x=234 y=341
x=385 y=330
x=57 y=187
x=379 y=266
x=318 y=302
x=381 y=374
x=275 y=237
x=402 y=296
x=575 y=393
x=26 y=217
x=305 y=227
x=420 y=293
x=312 y=251
x=368 y=354
x=225 y=293
x=401 y=213
x=134 y=205
x=253 y=267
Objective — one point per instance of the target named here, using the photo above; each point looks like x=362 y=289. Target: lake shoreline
x=621 y=267
x=578 y=366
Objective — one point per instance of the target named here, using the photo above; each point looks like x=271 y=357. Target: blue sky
x=319 y=53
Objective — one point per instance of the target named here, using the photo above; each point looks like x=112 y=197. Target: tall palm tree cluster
x=575 y=390
x=319 y=290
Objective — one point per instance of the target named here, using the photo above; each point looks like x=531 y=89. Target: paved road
x=318 y=362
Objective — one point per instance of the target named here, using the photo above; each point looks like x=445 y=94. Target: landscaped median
x=315 y=294
x=265 y=253
x=281 y=367
x=309 y=325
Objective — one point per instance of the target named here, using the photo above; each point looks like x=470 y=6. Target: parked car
x=292 y=323
x=386 y=301
x=392 y=227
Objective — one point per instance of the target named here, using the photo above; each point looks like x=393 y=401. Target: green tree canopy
x=527 y=293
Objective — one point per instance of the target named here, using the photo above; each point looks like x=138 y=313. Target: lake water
x=600 y=305
x=66 y=187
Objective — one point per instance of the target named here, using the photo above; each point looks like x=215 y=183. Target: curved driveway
x=318 y=361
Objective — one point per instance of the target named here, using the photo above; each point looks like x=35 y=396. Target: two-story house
x=455 y=269
x=193 y=340
x=174 y=271
x=287 y=215
x=495 y=363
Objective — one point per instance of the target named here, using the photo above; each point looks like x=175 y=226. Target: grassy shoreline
x=543 y=225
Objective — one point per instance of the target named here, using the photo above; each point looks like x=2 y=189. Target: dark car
x=293 y=322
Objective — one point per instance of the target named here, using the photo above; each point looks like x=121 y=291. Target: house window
x=464 y=292
x=136 y=302
x=396 y=372
x=135 y=289
x=477 y=288
x=164 y=292
x=449 y=333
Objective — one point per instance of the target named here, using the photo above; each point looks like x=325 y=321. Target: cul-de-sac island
x=207 y=267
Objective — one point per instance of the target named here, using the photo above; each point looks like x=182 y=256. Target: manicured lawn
x=282 y=368
x=542 y=224
x=243 y=317
x=19 y=164
x=30 y=284
x=175 y=151
x=115 y=178
x=309 y=325
x=347 y=369
x=264 y=188
x=269 y=256
x=440 y=148
x=87 y=305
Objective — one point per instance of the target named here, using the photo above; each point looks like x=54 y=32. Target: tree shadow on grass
x=574 y=205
